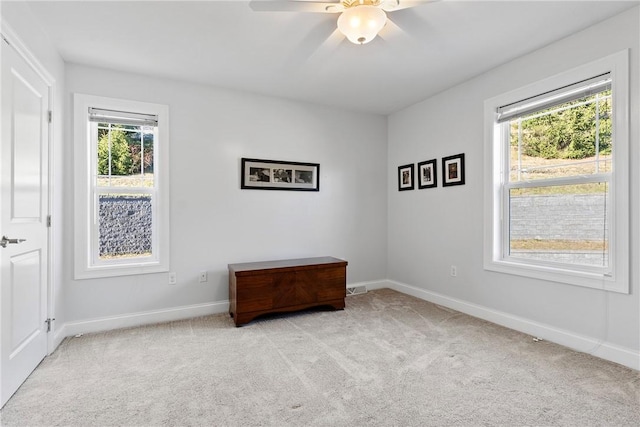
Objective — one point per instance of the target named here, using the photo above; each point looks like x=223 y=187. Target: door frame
x=14 y=41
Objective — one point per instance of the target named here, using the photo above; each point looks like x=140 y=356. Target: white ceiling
x=420 y=52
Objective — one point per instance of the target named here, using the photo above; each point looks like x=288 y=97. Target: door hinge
x=48 y=220
x=48 y=322
x=50 y=116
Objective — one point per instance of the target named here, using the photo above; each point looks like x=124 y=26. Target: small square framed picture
x=405 y=177
x=453 y=170
x=427 y=174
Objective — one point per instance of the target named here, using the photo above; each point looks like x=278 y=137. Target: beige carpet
x=388 y=359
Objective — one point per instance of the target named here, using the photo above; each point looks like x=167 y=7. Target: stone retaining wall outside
x=125 y=225
x=560 y=217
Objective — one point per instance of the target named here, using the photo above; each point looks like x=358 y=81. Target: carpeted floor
x=388 y=359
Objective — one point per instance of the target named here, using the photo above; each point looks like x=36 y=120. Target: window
x=557 y=178
x=121 y=195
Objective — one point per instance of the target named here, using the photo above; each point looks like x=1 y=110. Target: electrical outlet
x=454 y=271
x=203 y=276
x=173 y=279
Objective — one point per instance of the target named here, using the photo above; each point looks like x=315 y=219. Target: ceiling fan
x=360 y=20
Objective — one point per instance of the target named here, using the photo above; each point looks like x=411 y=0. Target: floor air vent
x=356 y=290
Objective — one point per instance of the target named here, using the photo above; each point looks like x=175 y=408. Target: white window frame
x=85 y=164
x=616 y=277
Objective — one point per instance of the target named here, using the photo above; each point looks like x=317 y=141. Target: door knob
x=4 y=241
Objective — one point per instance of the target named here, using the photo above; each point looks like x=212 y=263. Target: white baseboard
x=142 y=318
x=59 y=334
x=614 y=353
x=376 y=284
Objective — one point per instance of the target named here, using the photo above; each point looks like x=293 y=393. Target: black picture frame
x=453 y=170
x=428 y=174
x=262 y=174
x=405 y=177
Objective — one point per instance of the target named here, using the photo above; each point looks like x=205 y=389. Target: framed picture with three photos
x=261 y=174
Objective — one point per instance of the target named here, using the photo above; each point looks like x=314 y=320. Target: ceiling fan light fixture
x=361 y=24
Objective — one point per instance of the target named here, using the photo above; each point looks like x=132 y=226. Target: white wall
x=213 y=222
x=432 y=229
x=17 y=16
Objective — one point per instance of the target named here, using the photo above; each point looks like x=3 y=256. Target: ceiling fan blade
x=393 y=5
x=318 y=42
x=296 y=6
x=322 y=54
x=392 y=32
x=411 y=23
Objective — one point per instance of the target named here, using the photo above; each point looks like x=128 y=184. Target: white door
x=24 y=161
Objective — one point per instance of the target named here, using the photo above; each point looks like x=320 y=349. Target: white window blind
x=99 y=115
x=562 y=95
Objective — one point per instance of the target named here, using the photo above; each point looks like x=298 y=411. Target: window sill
x=131 y=269
x=560 y=275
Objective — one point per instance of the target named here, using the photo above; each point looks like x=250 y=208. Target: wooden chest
x=257 y=288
